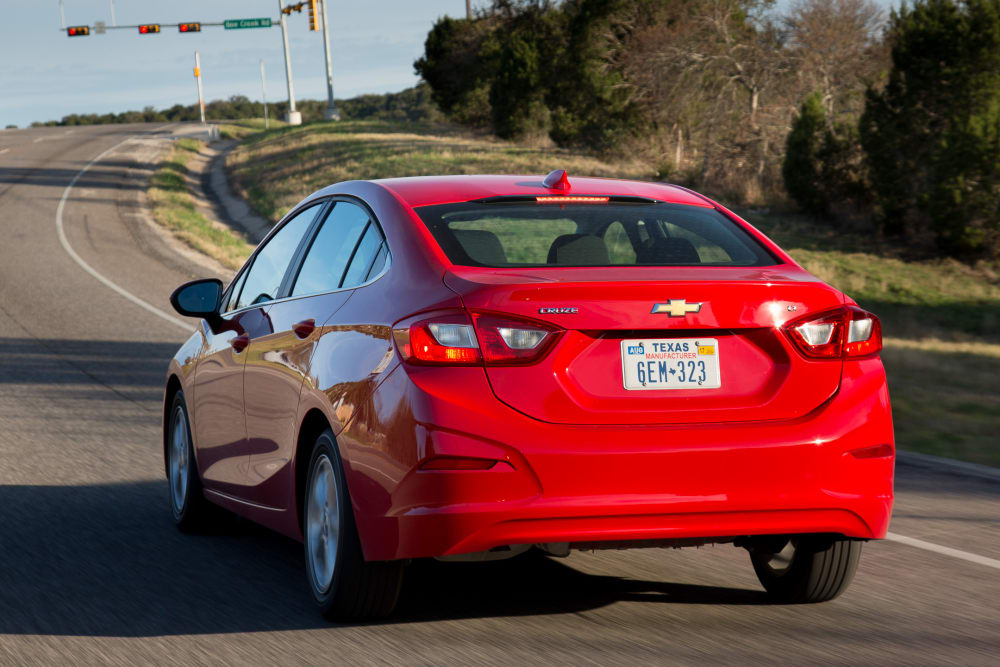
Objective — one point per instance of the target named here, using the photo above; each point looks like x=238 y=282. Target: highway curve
x=93 y=571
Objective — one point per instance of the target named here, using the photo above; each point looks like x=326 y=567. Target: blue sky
x=46 y=75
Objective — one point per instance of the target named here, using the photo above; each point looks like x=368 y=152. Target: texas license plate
x=671 y=363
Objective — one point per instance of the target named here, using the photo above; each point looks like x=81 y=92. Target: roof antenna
x=556 y=180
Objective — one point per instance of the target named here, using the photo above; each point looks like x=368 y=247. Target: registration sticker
x=671 y=363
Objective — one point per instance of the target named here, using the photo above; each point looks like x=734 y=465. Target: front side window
x=518 y=233
x=263 y=280
x=234 y=293
x=332 y=249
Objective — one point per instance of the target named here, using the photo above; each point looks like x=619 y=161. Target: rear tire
x=192 y=513
x=805 y=568
x=344 y=585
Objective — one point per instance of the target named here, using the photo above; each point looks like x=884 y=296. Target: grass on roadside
x=174 y=208
x=944 y=397
x=277 y=168
x=240 y=129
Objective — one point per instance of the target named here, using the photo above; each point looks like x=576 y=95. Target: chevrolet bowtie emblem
x=676 y=308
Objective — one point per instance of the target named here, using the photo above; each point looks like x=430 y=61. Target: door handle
x=304 y=328
x=240 y=343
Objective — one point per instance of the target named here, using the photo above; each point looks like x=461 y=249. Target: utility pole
x=201 y=96
x=293 y=117
x=263 y=94
x=114 y=23
x=62 y=14
x=468 y=10
x=331 y=109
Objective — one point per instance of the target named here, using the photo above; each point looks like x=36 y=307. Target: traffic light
x=293 y=8
x=189 y=27
x=313 y=16
x=78 y=31
x=149 y=28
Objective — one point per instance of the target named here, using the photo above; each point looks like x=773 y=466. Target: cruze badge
x=676 y=308
x=559 y=311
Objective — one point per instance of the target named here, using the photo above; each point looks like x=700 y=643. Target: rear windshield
x=612 y=234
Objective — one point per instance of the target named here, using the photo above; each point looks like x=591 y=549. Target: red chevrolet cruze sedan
x=474 y=366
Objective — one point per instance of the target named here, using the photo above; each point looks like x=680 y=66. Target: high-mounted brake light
x=496 y=340
x=844 y=333
x=572 y=200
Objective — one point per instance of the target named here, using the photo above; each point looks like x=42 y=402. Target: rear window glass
x=626 y=234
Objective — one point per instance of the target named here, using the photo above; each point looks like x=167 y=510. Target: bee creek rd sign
x=236 y=24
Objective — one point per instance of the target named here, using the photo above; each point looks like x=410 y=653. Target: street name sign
x=236 y=24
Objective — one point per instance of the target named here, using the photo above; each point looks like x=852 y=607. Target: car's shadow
x=105 y=560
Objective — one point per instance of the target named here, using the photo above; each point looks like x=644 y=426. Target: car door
x=278 y=362
x=219 y=413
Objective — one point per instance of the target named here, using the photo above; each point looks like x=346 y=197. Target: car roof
x=428 y=190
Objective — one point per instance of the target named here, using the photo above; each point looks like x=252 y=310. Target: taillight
x=844 y=333
x=446 y=339
x=496 y=340
x=507 y=341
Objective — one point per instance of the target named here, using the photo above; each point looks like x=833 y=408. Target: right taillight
x=845 y=333
x=497 y=340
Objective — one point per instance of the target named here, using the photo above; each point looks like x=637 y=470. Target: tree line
x=854 y=114
x=413 y=104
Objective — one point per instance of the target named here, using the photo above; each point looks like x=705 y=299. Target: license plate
x=671 y=363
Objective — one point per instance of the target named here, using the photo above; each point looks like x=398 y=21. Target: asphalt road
x=93 y=571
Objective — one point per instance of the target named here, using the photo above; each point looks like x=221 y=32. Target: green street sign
x=236 y=24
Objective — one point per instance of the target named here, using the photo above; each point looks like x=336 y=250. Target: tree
x=836 y=47
x=459 y=69
x=823 y=164
x=801 y=169
x=932 y=136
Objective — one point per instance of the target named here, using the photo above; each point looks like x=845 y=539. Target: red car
x=473 y=366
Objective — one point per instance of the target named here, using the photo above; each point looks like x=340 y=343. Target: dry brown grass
x=274 y=170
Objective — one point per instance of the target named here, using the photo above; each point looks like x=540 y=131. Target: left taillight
x=490 y=339
x=445 y=339
x=845 y=333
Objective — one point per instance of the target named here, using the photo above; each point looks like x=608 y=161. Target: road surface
x=93 y=571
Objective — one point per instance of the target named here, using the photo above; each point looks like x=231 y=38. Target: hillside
x=941 y=318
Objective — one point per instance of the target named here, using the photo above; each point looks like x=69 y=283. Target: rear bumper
x=619 y=484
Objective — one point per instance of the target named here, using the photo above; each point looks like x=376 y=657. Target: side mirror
x=199 y=298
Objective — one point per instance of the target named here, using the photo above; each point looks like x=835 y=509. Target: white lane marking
x=187 y=326
x=947 y=551
x=4 y=150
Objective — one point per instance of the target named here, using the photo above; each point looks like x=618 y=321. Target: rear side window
x=364 y=255
x=332 y=250
x=614 y=234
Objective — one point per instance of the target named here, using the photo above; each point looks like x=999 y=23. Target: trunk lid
x=580 y=380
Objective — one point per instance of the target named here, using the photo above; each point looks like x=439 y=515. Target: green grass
x=941 y=317
x=240 y=129
x=944 y=398
x=174 y=208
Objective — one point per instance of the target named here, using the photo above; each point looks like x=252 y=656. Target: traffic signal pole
x=293 y=117
x=331 y=110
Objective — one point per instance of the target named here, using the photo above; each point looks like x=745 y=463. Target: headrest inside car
x=481 y=246
x=579 y=250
